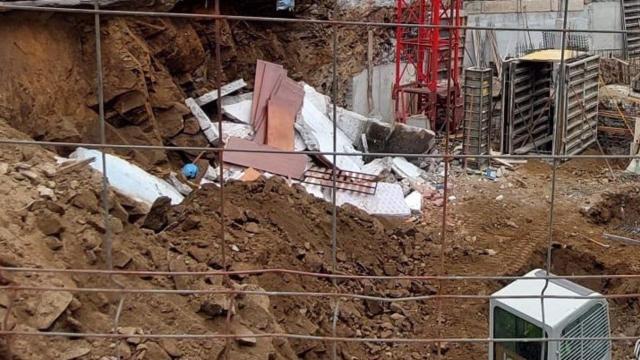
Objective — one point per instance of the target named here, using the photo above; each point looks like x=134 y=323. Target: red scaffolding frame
x=425 y=58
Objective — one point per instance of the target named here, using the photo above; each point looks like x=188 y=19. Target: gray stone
x=406 y=139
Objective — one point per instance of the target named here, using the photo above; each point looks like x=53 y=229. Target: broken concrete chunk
x=51 y=305
x=240 y=112
x=378 y=166
x=203 y=120
x=414 y=201
x=407 y=170
x=352 y=124
x=224 y=91
x=377 y=135
x=317 y=132
x=183 y=188
x=387 y=201
x=231 y=129
x=406 y=139
x=129 y=179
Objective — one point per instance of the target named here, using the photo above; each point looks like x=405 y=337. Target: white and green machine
x=565 y=318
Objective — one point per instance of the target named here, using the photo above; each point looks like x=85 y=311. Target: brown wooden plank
x=280 y=129
x=288 y=165
x=273 y=76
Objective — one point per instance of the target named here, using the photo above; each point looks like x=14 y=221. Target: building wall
x=500 y=13
x=595 y=15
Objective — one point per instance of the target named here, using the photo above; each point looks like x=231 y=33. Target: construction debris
x=288 y=165
x=225 y=90
x=129 y=179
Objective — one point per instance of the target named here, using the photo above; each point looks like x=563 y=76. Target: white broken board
x=317 y=132
x=231 y=129
x=318 y=100
x=225 y=90
x=378 y=166
x=414 y=201
x=239 y=111
x=406 y=170
x=130 y=180
x=210 y=131
x=352 y=124
x=387 y=201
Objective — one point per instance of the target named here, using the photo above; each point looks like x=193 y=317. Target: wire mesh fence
x=442 y=277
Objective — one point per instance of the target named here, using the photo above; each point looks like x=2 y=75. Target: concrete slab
x=352 y=124
x=239 y=111
x=414 y=201
x=378 y=166
x=203 y=120
x=501 y=6
x=224 y=91
x=317 y=132
x=406 y=170
x=407 y=139
x=388 y=201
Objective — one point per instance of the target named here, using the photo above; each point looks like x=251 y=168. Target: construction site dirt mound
x=619 y=210
x=52 y=219
x=151 y=65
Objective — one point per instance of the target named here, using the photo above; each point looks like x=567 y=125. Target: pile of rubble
x=282 y=115
x=55 y=220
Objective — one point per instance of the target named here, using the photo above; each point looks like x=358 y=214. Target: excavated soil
x=151 y=65
x=53 y=220
x=270 y=224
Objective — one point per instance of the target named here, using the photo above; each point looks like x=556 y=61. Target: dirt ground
x=484 y=236
x=53 y=219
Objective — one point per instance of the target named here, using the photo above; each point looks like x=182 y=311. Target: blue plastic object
x=282 y=5
x=190 y=171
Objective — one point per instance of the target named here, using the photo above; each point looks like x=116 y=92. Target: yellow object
x=551 y=55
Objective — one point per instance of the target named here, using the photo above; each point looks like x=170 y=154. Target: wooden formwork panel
x=478 y=106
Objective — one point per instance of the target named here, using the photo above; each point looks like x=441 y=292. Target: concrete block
x=352 y=124
x=501 y=6
x=474 y=7
x=535 y=5
x=377 y=135
x=407 y=139
x=576 y=5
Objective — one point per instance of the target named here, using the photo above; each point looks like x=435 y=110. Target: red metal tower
x=422 y=58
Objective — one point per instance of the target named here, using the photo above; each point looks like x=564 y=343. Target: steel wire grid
x=335 y=296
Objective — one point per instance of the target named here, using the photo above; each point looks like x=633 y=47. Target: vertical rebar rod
x=108 y=246
x=218 y=81
x=559 y=121
x=449 y=117
x=334 y=207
